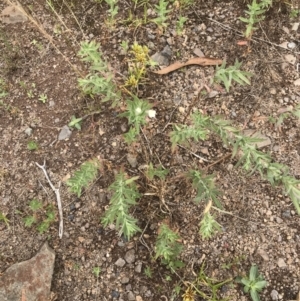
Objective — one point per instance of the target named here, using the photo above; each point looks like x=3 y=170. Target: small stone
x=181 y=110
x=132 y=160
x=32 y=277
x=115 y=294
x=295 y=26
x=208 y=38
x=273 y=91
x=65 y=133
x=163 y=58
x=124 y=280
x=138 y=298
x=229 y=167
x=212 y=94
x=81 y=239
x=130 y=256
x=198 y=52
x=131 y=296
x=138 y=268
x=120 y=262
x=114 y=144
x=297 y=82
x=263 y=254
x=28 y=131
x=274 y=295
x=281 y=263
x=290 y=59
x=279 y=220
x=51 y=103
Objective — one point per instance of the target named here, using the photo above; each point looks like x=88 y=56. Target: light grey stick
x=57 y=194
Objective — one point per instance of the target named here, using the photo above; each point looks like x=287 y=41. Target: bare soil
x=263 y=227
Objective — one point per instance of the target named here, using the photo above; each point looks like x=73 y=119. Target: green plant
x=138 y=63
x=136 y=113
x=96 y=271
x=180 y=24
x=159 y=172
x=294 y=13
x=204 y=286
x=43 y=98
x=124 y=195
x=168 y=248
x=75 y=122
x=112 y=11
x=232 y=73
x=255 y=12
x=3 y=92
x=162 y=14
x=83 y=177
x=37 y=215
x=125 y=46
x=32 y=145
x=100 y=80
x=4 y=219
x=254 y=283
x=148 y=272
x=205 y=187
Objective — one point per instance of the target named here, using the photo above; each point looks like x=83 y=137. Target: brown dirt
x=269 y=220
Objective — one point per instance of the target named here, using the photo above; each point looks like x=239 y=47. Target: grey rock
x=65 y=133
x=120 y=262
x=124 y=280
x=281 y=263
x=28 y=131
x=51 y=103
x=130 y=256
x=131 y=296
x=132 y=160
x=138 y=268
x=163 y=58
x=198 y=52
x=274 y=295
x=30 y=279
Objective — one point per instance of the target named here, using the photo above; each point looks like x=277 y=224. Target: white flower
x=151 y=113
x=138 y=111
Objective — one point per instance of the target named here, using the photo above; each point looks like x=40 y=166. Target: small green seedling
x=162 y=14
x=37 y=215
x=124 y=196
x=159 y=172
x=255 y=12
x=148 y=272
x=124 y=45
x=180 y=25
x=96 y=271
x=168 y=248
x=32 y=145
x=254 y=283
x=232 y=73
x=83 y=177
x=4 y=219
x=75 y=123
x=43 y=98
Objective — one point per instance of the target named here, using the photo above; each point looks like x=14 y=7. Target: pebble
x=124 y=280
x=138 y=268
x=130 y=256
x=65 y=133
x=131 y=296
x=274 y=295
x=28 y=131
x=263 y=254
x=120 y=262
x=281 y=263
x=132 y=160
x=115 y=294
x=209 y=38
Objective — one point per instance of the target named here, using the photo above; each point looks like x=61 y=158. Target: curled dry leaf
x=202 y=61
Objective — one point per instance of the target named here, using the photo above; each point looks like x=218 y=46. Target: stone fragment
x=124 y=280
x=274 y=295
x=138 y=268
x=281 y=263
x=120 y=262
x=297 y=82
x=29 y=280
x=198 y=52
x=289 y=58
x=163 y=58
x=132 y=160
x=65 y=133
x=263 y=254
x=130 y=256
x=131 y=296
x=12 y=14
